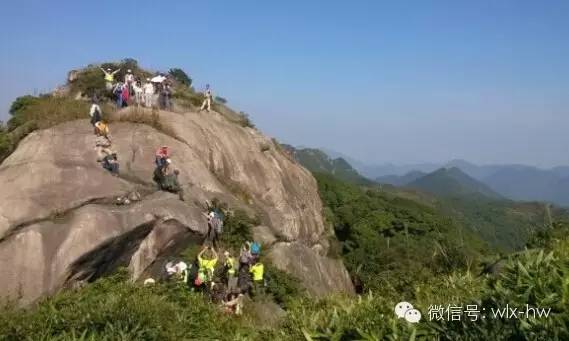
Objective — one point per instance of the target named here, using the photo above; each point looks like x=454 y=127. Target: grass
x=142 y=116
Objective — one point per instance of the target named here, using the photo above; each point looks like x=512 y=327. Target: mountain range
x=512 y=181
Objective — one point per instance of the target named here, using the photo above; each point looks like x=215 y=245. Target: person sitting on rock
x=167 y=179
x=111 y=163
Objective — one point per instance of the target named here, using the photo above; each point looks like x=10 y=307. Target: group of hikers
x=156 y=91
x=103 y=143
x=225 y=282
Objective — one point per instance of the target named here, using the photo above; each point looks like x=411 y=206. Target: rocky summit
x=63 y=225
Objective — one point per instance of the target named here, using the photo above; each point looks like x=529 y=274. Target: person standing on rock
x=109 y=77
x=208 y=98
x=148 y=93
x=129 y=81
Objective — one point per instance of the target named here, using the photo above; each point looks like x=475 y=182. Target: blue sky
x=382 y=81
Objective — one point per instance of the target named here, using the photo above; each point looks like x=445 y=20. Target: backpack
x=255 y=248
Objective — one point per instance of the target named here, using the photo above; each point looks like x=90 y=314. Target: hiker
x=148 y=89
x=230 y=267
x=215 y=227
x=165 y=101
x=206 y=267
x=111 y=163
x=208 y=97
x=125 y=95
x=249 y=255
x=162 y=154
x=95 y=112
x=138 y=93
x=118 y=93
x=167 y=179
x=109 y=77
x=129 y=81
x=233 y=303
x=179 y=270
x=102 y=129
x=257 y=271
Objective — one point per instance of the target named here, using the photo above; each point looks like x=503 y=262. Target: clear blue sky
x=399 y=81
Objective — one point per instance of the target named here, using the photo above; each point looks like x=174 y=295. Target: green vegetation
x=29 y=113
x=389 y=241
x=181 y=77
x=220 y=100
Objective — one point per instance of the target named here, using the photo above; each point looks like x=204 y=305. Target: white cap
x=128 y=70
x=168 y=161
x=149 y=281
x=182 y=266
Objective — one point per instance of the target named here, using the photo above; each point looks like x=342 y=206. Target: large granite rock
x=59 y=222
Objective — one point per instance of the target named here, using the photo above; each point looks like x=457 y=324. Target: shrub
x=114 y=308
x=181 y=77
x=142 y=116
x=220 y=100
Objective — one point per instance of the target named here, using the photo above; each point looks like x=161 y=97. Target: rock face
x=59 y=222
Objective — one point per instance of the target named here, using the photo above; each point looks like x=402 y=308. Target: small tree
x=220 y=100
x=180 y=76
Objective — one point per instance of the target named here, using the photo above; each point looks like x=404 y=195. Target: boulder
x=60 y=224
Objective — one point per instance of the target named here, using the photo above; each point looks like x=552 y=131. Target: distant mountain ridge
x=317 y=161
x=448 y=182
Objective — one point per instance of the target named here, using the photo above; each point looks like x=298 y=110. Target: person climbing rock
x=95 y=111
x=102 y=129
x=109 y=77
x=162 y=154
x=111 y=163
x=167 y=179
x=215 y=227
x=208 y=98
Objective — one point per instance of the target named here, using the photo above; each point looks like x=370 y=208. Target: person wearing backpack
x=215 y=227
x=95 y=112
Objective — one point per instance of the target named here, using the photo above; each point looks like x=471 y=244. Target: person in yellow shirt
x=257 y=271
x=207 y=266
x=109 y=77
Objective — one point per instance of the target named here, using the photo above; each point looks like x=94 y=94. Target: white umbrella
x=158 y=79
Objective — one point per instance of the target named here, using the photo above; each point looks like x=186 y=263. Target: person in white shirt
x=95 y=112
x=129 y=81
x=148 y=93
x=208 y=97
x=138 y=92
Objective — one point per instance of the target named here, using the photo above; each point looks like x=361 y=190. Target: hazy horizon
x=403 y=83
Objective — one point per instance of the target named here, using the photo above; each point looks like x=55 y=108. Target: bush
x=114 y=308
x=181 y=77
x=220 y=100
x=142 y=116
